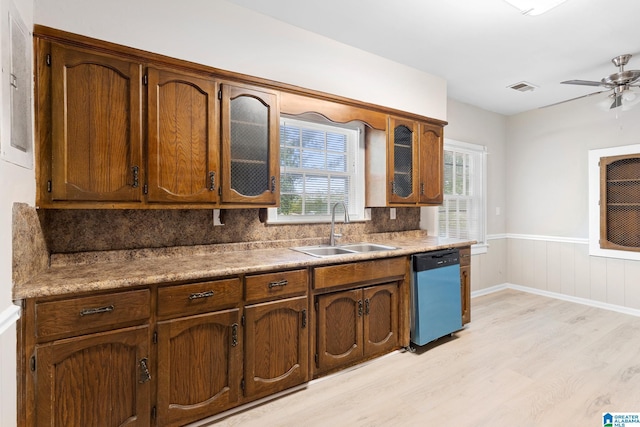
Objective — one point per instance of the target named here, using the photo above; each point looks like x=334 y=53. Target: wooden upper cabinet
x=250 y=146
x=431 y=157
x=402 y=161
x=183 y=138
x=96 y=134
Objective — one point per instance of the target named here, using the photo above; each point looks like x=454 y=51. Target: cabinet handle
x=284 y=282
x=199 y=295
x=98 y=310
x=304 y=319
x=273 y=183
x=136 y=176
x=212 y=181
x=234 y=335
x=393 y=187
x=359 y=308
x=422 y=188
x=367 y=306
x=145 y=375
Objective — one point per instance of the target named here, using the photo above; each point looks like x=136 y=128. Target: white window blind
x=320 y=165
x=462 y=214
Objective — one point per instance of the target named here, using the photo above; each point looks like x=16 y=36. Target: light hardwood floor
x=525 y=360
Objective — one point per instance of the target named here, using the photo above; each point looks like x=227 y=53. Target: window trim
x=474 y=149
x=357 y=210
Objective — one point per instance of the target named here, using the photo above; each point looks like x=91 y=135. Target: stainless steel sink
x=353 y=248
x=367 y=247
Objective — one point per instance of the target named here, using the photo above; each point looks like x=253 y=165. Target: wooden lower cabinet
x=199 y=366
x=276 y=346
x=465 y=283
x=102 y=379
x=355 y=324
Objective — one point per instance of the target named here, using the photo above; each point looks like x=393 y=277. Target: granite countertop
x=86 y=272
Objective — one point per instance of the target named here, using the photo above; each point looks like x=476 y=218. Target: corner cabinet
x=183 y=123
x=620 y=202
x=250 y=146
x=96 y=139
x=413 y=152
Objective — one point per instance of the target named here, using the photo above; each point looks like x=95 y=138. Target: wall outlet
x=392 y=213
x=216 y=218
x=497 y=210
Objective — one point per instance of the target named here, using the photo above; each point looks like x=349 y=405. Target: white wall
x=230 y=37
x=547 y=201
x=477 y=126
x=547 y=187
x=18 y=185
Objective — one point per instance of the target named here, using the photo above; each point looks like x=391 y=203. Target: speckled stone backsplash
x=30 y=253
x=68 y=231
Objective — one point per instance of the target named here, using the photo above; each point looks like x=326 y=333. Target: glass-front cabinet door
x=250 y=146
x=402 y=161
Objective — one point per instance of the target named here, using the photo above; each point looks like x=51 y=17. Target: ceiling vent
x=523 y=87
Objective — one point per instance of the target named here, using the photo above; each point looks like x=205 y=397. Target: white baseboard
x=577 y=300
x=8 y=317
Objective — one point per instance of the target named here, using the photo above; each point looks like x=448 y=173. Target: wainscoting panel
x=563 y=266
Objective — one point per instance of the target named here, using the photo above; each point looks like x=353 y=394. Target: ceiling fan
x=620 y=82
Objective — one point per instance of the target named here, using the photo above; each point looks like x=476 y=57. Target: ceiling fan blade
x=584 y=83
x=573 y=99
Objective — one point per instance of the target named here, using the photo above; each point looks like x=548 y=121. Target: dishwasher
x=435 y=295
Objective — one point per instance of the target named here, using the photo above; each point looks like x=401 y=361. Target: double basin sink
x=346 y=249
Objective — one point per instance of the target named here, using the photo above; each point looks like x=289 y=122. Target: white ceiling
x=481 y=46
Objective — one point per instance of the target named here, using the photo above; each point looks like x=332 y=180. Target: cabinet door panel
x=277 y=350
x=431 y=164
x=465 y=292
x=403 y=161
x=97 y=144
x=183 y=147
x=339 y=329
x=199 y=366
x=94 y=380
x=381 y=318
x=250 y=146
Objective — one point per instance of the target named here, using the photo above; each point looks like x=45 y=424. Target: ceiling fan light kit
x=534 y=7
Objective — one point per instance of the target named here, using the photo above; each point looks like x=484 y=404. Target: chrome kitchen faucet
x=332 y=239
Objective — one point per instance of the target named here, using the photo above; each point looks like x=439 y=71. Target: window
x=462 y=214
x=320 y=164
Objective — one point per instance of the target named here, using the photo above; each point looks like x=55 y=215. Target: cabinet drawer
x=77 y=316
x=465 y=256
x=281 y=284
x=357 y=272
x=195 y=298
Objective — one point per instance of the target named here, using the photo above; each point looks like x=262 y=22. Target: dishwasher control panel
x=435 y=259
